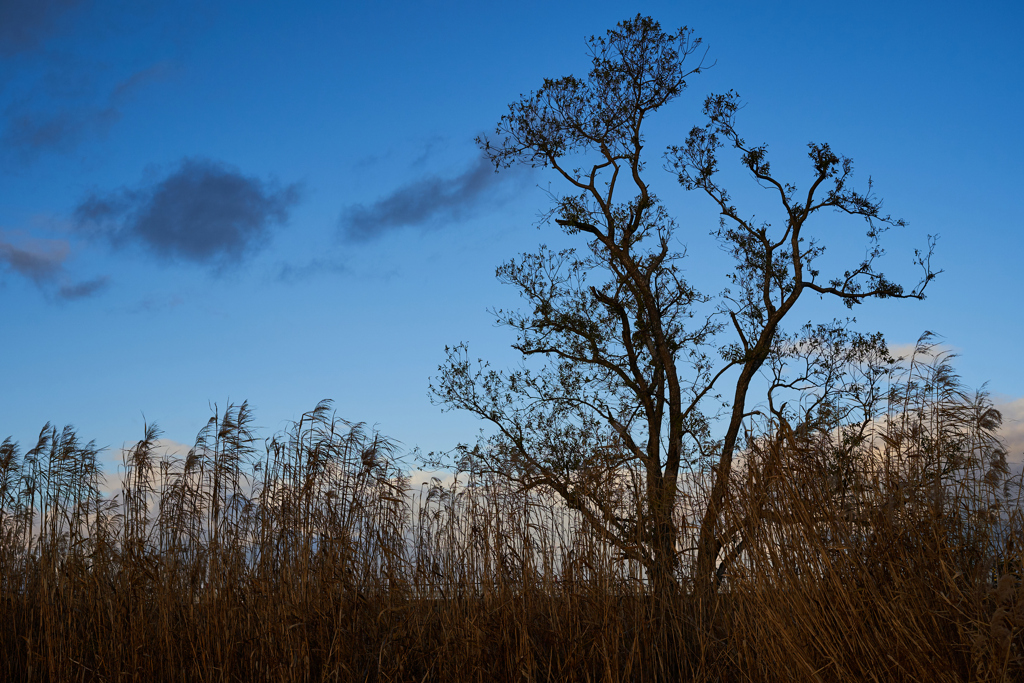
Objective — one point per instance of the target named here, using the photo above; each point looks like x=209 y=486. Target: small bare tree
x=635 y=361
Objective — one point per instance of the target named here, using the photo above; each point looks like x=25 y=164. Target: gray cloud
x=24 y=24
x=29 y=129
x=42 y=262
x=157 y=303
x=154 y=73
x=82 y=290
x=204 y=212
x=426 y=201
x=291 y=273
x=29 y=132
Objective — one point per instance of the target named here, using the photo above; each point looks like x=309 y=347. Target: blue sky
x=282 y=202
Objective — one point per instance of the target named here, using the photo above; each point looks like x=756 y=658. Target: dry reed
x=891 y=554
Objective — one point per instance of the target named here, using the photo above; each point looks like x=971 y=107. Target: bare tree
x=636 y=357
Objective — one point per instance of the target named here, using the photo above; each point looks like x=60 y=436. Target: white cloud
x=907 y=350
x=1012 y=431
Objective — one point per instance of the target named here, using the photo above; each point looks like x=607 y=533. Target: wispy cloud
x=30 y=128
x=429 y=201
x=42 y=261
x=27 y=133
x=203 y=212
x=82 y=290
x=24 y=24
x=155 y=73
x=57 y=90
x=291 y=273
x=157 y=303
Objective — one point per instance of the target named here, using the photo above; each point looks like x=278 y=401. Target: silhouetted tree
x=636 y=356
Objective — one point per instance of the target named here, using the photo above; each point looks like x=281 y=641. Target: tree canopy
x=643 y=369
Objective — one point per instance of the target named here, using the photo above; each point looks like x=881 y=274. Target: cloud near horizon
x=1012 y=430
x=203 y=212
x=430 y=200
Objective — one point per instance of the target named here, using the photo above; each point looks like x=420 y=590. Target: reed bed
x=888 y=549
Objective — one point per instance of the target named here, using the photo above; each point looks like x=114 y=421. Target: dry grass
x=891 y=556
